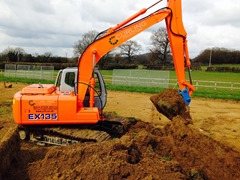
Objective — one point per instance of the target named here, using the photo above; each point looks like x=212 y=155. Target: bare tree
x=160 y=45
x=14 y=54
x=129 y=49
x=83 y=43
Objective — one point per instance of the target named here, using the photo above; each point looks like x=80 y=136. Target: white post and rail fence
x=29 y=71
x=155 y=78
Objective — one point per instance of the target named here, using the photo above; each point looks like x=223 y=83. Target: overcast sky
x=40 y=26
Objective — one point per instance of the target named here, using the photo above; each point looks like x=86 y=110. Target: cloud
x=224 y=13
x=56 y=25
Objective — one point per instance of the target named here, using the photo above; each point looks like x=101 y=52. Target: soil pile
x=177 y=151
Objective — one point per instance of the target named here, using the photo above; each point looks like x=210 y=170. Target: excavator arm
x=124 y=31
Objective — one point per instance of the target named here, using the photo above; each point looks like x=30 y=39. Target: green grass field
x=196 y=75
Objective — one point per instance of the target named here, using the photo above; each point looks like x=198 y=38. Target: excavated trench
x=176 y=151
x=9 y=148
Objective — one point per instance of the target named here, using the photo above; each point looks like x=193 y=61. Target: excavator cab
x=66 y=81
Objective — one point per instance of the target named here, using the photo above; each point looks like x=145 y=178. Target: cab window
x=69 y=79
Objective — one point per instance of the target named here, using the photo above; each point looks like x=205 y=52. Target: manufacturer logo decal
x=31 y=103
x=113 y=40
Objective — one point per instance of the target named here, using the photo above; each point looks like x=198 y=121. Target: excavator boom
x=124 y=31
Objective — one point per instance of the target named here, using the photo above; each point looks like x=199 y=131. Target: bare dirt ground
x=154 y=148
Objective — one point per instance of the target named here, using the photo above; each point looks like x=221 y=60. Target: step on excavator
x=71 y=110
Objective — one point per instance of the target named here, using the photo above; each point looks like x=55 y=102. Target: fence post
x=41 y=72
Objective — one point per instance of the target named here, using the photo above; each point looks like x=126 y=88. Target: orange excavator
x=79 y=95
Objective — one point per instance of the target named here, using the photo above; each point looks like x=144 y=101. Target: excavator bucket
x=170 y=103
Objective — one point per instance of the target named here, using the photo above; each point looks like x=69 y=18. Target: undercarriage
x=63 y=135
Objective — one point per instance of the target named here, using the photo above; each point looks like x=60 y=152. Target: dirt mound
x=177 y=151
x=170 y=103
x=133 y=157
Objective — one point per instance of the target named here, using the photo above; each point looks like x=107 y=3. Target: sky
x=55 y=26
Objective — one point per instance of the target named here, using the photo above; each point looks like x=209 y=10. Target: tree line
x=218 y=55
x=19 y=55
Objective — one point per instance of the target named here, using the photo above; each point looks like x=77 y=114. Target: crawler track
x=64 y=135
